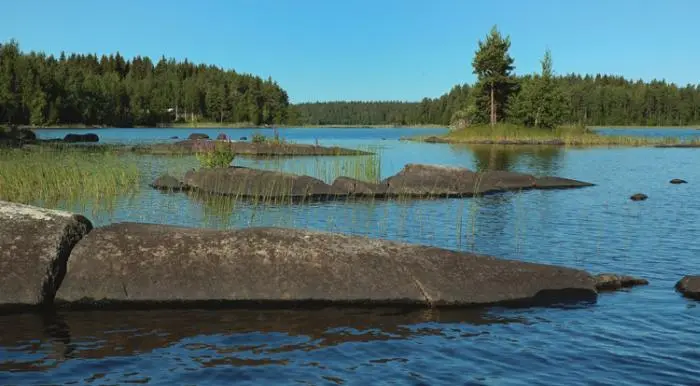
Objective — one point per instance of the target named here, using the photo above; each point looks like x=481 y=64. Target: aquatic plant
x=63 y=175
x=214 y=154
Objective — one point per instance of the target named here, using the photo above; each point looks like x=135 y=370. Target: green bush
x=215 y=154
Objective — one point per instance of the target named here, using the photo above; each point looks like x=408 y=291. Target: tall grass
x=565 y=135
x=64 y=175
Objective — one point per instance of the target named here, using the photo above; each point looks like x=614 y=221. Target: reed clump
x=64 y=175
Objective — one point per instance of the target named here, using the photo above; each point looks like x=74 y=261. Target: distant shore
x=216 y=125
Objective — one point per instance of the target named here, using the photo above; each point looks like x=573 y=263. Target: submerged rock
x=677 y=181
x=34 y=247
x=638 y=197
x=168 y=182
x=689 y=286
x=89 y=137
x=613 y=282
x=243 y=138
x=131 y=263
x=196 y=136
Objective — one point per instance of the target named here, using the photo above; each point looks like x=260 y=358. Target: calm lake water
x=647 y=335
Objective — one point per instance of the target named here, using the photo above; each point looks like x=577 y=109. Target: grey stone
x=131 y=263
x=34 y=247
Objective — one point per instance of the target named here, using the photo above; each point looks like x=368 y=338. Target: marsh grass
x=565 y=135
x=65 y=176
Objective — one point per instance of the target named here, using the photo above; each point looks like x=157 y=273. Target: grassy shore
x=562 y=136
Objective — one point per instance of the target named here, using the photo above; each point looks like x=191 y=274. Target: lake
x=646 y=335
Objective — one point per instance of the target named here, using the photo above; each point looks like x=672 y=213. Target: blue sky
x=371 y=49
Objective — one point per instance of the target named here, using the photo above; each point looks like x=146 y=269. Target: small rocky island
x=413 y=181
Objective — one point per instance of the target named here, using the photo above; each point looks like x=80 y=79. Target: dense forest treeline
x=110 y=90
x=38 y=89
x=598 y=100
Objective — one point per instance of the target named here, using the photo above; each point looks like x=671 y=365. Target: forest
x=38 y=90
x=597 y=100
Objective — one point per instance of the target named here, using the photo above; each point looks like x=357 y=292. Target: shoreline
x=231 y=126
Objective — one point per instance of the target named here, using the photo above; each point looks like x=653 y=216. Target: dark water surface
x=648 y=335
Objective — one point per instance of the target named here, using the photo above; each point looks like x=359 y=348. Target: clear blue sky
x=371 y=49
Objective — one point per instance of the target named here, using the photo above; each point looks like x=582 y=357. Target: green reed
x=53 y=176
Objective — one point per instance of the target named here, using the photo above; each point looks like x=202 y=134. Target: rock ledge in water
x=130 y=263
x=34 y=247
x=613 y=282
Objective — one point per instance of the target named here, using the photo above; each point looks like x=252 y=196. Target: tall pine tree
x=494 y=69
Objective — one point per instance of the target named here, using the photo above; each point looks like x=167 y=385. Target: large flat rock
x=190 y=146
x=416 y=180
x=130 y=263
x=245 y=182
x=34 y=247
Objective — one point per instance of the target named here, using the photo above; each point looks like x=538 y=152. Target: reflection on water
x=545 y=159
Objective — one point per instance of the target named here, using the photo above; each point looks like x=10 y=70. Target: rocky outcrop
x=254 y=183
x=167 y=182
x=638 y=197
x=156 y=264
x=445 y=181
x=222 y=137
x=246 y=148
x=195 y=136
x=689 y=286
x=677 y=181
x=34 y=247
x=73 y=138
x=614 y=282
x=413 y=181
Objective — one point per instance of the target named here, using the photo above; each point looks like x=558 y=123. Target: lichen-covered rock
x=136 y=263
x=34 y=247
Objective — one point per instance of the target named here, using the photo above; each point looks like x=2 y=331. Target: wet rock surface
x=135 y=263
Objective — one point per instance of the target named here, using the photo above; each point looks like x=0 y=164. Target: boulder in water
x=689 y=286
x=638 y=197
x=73 y=138
x=195 y=136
